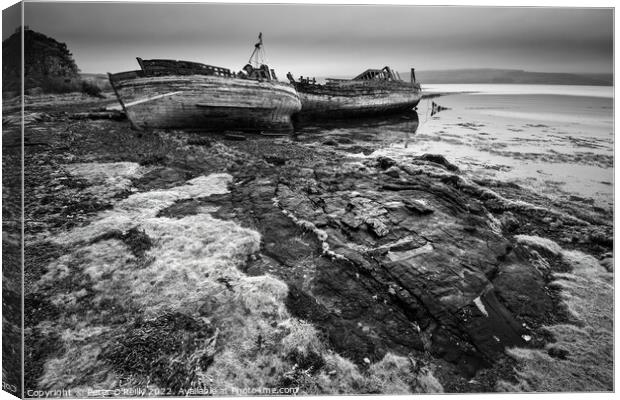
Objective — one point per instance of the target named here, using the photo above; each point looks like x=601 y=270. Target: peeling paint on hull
x=209 y=103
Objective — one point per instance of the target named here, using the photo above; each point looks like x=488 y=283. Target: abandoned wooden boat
x=183 y=94
x=375 y=91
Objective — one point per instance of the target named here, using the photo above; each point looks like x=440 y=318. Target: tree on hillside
x=48 y=64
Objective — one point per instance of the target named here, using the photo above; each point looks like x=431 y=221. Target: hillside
x=48 y=64
x=509 y=76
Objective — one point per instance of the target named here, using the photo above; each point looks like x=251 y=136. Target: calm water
x=556 y=139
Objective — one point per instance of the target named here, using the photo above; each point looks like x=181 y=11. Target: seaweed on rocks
x=136 y=239
x=168 y=350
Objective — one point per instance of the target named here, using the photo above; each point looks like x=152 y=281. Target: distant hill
x=509 y=76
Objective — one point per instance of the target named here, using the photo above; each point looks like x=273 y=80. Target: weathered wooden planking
x=350 y=98
x=158 y=67
x=332 y=105
x=354 y=88
x=207 y=102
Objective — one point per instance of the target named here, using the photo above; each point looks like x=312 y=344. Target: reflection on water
x=360 y=122
x=436 y=108
x=512 y=89
x=556 y=144
x=361 y=134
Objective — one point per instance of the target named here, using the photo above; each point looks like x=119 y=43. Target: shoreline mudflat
x=174 y=260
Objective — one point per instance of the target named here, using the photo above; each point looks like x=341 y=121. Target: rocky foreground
x=176 y=262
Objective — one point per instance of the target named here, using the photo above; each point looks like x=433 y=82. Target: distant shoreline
x=508 y=76
x=424 y=81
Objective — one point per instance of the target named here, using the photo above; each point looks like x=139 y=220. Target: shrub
x=60 y=85
x=91 y=89
x=68 y=85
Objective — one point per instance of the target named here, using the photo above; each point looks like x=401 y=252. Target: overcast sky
x=324 y=40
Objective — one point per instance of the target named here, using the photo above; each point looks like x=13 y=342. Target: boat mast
x=257 y=64
x=258 y=55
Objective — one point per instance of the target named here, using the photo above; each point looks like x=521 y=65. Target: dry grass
x=140 y=206
x=399 y=375
x=581 y=359
x=101 y=277
x=106 y=179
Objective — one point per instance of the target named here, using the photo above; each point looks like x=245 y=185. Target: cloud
x=324 y=39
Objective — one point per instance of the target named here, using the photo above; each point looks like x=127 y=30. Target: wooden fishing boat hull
x=205 y=102
x=349 y=100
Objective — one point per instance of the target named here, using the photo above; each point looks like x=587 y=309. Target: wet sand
x=556 y=143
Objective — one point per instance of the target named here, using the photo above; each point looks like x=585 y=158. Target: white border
x=488 y=3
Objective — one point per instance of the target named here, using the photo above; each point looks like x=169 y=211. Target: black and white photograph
x=234 y=199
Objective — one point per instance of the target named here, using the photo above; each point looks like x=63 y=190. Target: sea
x=555 y=139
